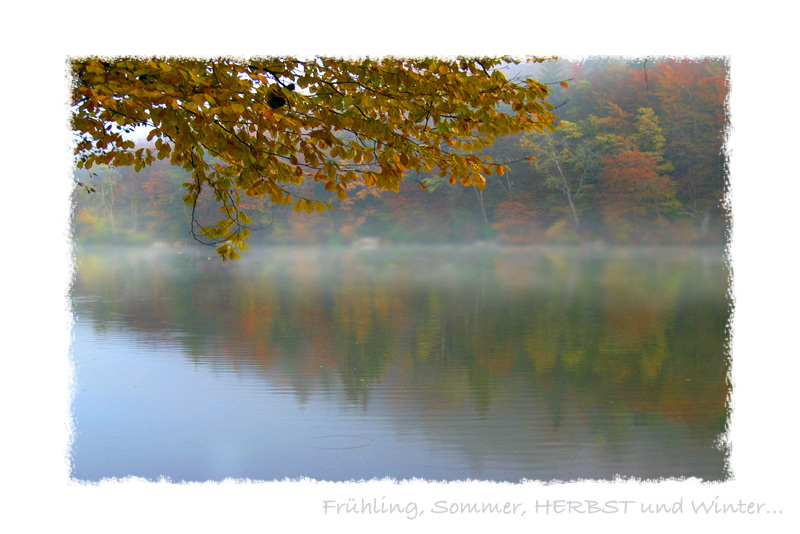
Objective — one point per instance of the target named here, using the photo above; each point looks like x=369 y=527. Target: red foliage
x=515 y=222
x=631 y=186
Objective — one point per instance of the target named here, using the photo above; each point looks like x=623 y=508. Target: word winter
x=716 y=507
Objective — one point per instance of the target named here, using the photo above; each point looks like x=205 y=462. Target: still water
x=435 y=363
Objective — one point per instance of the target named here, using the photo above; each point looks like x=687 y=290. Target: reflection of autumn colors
x=643 y=331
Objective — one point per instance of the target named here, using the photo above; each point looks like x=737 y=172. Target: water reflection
x=438 y=363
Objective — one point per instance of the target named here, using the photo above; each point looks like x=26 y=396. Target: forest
x=637 y=157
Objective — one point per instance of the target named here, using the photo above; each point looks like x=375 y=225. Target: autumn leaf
x=242 y=129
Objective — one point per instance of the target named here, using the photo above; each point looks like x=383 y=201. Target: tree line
x=636 y=156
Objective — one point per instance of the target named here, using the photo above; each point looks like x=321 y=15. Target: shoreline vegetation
x=638 y=158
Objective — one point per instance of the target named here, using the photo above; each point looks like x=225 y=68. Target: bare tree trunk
x=574 y=211
x=479 y=194
x=330 y=221
x=135 y=214
x=107 y=197
x=566 y=187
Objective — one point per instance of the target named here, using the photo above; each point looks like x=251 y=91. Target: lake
x=436 y=363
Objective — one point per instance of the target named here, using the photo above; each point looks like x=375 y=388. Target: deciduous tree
x=633 y=192
x=694 y=117
x=565 y=160
x=260 y=127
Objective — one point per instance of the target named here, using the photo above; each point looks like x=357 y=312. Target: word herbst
x=580 y=507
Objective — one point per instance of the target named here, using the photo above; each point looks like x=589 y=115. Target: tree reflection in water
x=531 y=339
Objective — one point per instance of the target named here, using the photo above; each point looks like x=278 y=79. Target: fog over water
x=436 y=362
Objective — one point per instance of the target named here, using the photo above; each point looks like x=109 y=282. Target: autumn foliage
x=631 y=190
x=635 y=155
x=516 y=222
x=262 y=126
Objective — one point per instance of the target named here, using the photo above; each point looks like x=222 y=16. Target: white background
x=35 y=370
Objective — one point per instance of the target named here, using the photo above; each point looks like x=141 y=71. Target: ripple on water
x=341 y=442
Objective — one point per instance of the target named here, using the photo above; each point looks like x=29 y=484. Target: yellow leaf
x=498 y=76
x=236 y=126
